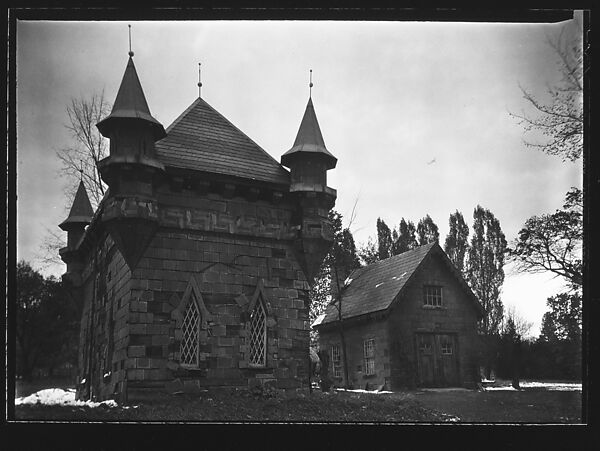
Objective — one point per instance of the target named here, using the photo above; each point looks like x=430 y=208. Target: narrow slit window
x=258 y=334
x=336 y=361
x=190 y=334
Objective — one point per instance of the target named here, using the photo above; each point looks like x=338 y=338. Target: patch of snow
x=555 y=386
x=348 y=281
x=379 y=284
x=58 y=396
x=360 y=390
x=319 y=319
x=487 y=380
x=507 y=387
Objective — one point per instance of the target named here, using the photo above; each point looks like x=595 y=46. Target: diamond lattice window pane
x=258 y=335
x=189 y=339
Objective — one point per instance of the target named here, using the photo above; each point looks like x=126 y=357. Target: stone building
x=195 y=268
x=409 y=320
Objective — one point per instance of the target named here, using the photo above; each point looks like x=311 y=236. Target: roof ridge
x=182 y=115
x=244 y=134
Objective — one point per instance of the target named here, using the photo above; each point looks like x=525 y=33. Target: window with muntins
x=432 y=296
x=336 y=361
x=190 y=329
x=446 y=348
x=258 y=335
x=369 y=356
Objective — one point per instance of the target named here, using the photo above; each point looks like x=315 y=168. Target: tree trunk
x=516 y=363
x=341 y=327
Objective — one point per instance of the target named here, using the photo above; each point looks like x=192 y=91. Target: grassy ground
x=530 y=405
x=242 y=405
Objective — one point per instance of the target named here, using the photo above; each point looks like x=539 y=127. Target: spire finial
x=199 y=81
x=310 y=85
x=81 y=170
x=130 y=52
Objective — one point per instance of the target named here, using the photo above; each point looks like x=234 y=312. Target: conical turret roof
x=130 y=104
x=81 y=210
x=309 y=139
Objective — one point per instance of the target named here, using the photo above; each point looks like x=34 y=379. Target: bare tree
x=521 y=325
x=559 y=119
x=553 y=242
x=79 y=162
x=80 y=159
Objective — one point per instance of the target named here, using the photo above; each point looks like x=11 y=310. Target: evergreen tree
x=560 y=336
x=485 y=271
x=341 y=260
x=485 y=275
x=384 y=239
x=457 y=244
x=427 y=231
x=406 y=239
x=369 y=253
x=47 y=322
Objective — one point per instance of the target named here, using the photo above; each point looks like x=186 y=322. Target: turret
x=309 y=160
x=79 y=217
x=131 y=170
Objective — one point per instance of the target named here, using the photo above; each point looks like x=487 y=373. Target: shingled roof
x=202 y=139
x=81 y=210
x=130 y=104
x=309 y=140
x=374 y=287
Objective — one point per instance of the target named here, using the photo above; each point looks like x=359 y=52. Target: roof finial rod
x=130 y=52
x=199 y=81
x=310 y=85
x=81 y=170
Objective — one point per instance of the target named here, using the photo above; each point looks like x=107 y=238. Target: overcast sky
x=390 y=97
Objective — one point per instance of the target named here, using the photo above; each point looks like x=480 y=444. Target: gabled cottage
x=195 y=268
x=409 y=320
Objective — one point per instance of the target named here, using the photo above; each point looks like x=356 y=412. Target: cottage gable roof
x=81 y=210
x=202 y=139
x=131 y=104
x=374 y=287
x=309 y=139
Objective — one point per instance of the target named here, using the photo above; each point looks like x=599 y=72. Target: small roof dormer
x=81 y=211
x=130 y=104
x=309 y=140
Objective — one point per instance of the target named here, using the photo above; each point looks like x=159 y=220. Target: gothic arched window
x=258 y=334
x=190 y=333
x=191 y=320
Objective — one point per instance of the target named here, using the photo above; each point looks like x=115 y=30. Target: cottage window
x=258 y=334
x=336 y=361
x=190 y=329
x=447 y=348
x=432 y=296
x=369 y=356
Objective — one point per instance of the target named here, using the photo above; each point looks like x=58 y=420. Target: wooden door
x=425 y=358
x=436 y=360
x=445 y=347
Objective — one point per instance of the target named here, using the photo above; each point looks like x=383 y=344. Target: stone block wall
x=104 y=332
x=355 y=335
